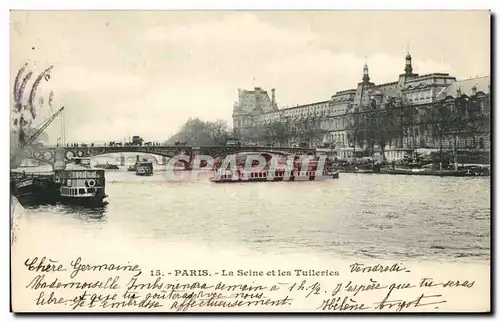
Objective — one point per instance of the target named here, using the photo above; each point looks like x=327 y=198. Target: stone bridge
x=46 y=154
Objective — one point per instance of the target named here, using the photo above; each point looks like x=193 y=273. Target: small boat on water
x=144 y=168
x=279 y=173
x=107 y=166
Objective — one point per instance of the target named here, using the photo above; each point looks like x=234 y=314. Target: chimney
x=273 y=97
x=474 y=90
x=459 y=92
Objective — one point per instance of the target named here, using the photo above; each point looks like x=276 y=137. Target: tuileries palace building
x=333 y=123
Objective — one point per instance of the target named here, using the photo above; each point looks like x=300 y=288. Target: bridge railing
x=240 y=147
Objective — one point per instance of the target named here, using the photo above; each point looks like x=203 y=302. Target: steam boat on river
x=81 y=184
x=313 y=169
x=144 y=168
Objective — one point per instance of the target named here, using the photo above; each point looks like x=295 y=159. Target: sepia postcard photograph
x=250 y=161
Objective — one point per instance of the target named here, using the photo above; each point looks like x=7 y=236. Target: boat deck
x=29 y=175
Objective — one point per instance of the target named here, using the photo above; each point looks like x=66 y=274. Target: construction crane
x=37 y=131
x=31 y=137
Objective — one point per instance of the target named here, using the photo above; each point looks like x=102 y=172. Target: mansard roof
x=481 y=83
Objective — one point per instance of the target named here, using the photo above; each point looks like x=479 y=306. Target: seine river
x=358 y=215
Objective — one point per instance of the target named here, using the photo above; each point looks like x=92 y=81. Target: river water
x=357 y=216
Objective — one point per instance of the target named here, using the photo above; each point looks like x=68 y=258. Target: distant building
x=340 y=122
x=250 y=112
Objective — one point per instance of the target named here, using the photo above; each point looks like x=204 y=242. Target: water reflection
x=85 y=213
x=97 y=214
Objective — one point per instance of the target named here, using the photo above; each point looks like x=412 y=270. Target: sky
x=124 y=73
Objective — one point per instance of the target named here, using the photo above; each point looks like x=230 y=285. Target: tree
x=408 y=119
x=370 y=122
x=355 y=129
x=198 y=132
x=278 y=132
x=219 y=131
x=474 y=117
x=386 y=128
x=439 y=120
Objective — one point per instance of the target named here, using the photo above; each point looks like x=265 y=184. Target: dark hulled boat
x=81 y=184
x=107 y=166
x=144 y=168
x=34 y=189
x=428 y=172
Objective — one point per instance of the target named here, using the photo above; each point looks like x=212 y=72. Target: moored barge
x=429 y=172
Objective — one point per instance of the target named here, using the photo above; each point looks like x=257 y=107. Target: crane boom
x=39 y=129
x=14 y=158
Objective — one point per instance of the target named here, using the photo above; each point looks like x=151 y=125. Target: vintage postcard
x=250 y=161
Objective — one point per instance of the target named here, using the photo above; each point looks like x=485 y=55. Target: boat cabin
x=81 y=180
x=144 y=167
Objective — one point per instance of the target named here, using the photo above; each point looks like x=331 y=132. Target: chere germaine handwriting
x=45 y=265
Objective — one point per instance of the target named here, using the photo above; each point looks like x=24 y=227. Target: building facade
x=394 y=119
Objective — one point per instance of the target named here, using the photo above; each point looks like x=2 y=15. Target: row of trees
x=455 y=118
x=389 y=124
x=198 y=132
x=280 y=132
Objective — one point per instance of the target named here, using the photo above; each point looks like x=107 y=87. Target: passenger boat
x=144 y=168
x=428 y=172
x=279 y=173
x=81 y=184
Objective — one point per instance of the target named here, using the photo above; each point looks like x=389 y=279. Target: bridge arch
x=44 y=156
x=130 y=157
x=149 y=156
x=49 y=162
